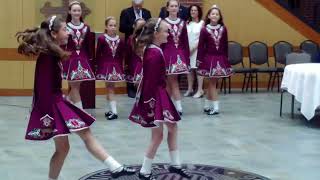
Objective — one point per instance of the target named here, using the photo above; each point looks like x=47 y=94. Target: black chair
x=281 y=49
x=258 y=55
x=293 y=58
x=235 y=56
x=223 y=85
x=311 y=48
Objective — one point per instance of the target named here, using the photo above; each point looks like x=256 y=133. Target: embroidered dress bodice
x=216 y=33
x=176 y=29
x=78 y=34
x=113 y=43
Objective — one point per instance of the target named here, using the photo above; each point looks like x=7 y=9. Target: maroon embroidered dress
x=77 y=68
x=51 y=114
x=176 y=50
x=110 y=57
x=133 y=63
x=153 y=105
x=213 y=52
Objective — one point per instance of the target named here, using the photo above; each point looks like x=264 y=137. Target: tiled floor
x=248 y=135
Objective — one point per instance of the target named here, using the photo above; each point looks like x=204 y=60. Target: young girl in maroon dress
x=133 y=60
x=213 y=56
x=52 y=116
x=77 y=69
x=176 y=51
x=154 y=108
x=110 y=58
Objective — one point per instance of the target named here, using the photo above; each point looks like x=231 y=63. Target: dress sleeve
x=151 y=74
x=45 y=79
x=122 y=51
x=225 y=42
x=201 y=45
x=128 y=54
x=99 y=49
x=185 y=43
x=88 y=44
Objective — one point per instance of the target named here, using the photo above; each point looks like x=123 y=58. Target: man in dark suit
x=183 y=13
x=129 y=15
x=127 y=18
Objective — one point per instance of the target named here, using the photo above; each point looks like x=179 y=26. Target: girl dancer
x=176 y=51
x=51 y=115
x=110 y=56
x=213 y=56
x=77 y=68
x=133 y=59
x=154 y=109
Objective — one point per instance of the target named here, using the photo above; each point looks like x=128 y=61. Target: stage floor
x=248 y=135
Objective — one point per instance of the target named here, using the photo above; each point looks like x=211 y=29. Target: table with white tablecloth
x=303 y=81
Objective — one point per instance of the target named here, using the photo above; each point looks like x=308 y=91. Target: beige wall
x=17 y=15
x=246 y=20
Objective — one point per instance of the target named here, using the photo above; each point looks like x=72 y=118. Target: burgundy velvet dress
x=176 y=50
x=153 y=105
x=213 y=52
x=133 y=63
x=51 y=114
x=77 y=68
x=110 y=59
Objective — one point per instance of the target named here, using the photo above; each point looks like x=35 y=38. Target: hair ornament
x=156 y=27
x=51 y=22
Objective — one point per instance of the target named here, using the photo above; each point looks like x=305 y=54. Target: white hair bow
x=51 y=22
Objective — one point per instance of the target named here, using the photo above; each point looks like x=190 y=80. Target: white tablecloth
x=303 y=81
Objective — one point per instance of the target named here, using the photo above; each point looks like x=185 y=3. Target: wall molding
x=8 y=54
x=11 y=54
